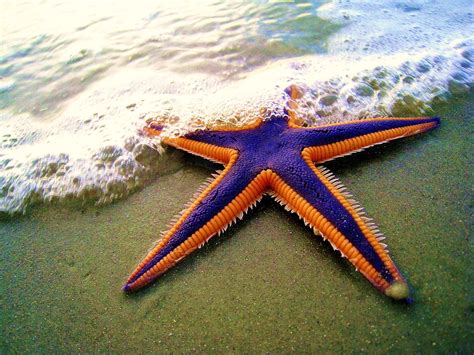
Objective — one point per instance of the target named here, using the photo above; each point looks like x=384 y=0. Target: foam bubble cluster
x=94 y=150
x=397 y=85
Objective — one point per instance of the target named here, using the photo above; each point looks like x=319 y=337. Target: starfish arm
x=224 y=200
x=203 y=149
x=217 y=144
x=317 y=197
x=294 y=93
x=334 y=140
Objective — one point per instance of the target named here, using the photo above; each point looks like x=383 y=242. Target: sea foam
x=388 y=58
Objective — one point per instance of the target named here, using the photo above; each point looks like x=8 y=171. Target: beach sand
x=267 y=284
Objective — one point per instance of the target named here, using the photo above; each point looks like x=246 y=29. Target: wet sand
x=267 y=284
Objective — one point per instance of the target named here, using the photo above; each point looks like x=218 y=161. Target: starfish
x=277 y=156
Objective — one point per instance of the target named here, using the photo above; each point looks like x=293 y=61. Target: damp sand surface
x=267 y=284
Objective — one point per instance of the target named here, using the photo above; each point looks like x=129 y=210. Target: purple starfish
x=277 y=156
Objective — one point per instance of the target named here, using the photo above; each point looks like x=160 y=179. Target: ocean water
x=78 y=80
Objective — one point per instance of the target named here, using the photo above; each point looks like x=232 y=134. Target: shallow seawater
x=78 y=80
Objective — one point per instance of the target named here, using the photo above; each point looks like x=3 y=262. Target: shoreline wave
x=92 y=151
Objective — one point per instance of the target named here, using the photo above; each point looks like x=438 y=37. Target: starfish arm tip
x=153 y=128
x=398 y=290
